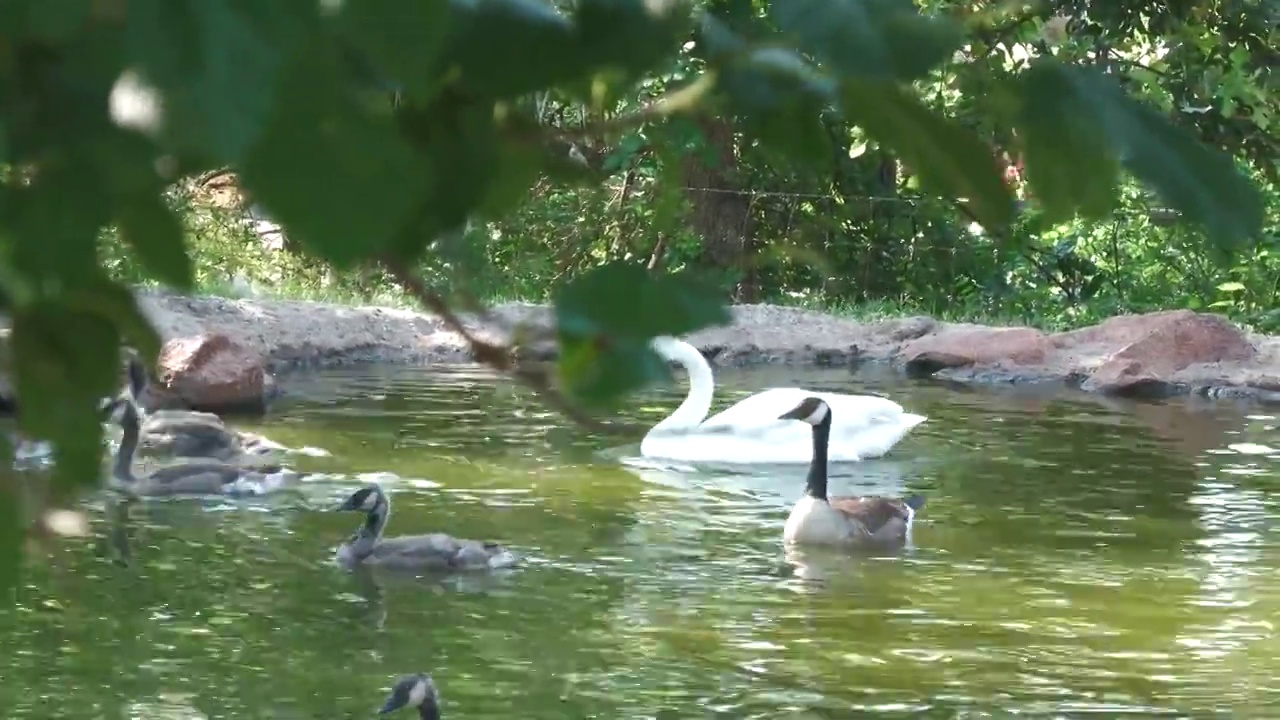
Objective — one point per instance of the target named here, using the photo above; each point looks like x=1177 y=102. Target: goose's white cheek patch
x=817 y=416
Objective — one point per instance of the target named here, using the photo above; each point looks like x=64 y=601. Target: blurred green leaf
x=520 y=163
x=606 y=317
x=340 y=181
x=48 y=21
x=1065 y=153
x=623 y=299
x=780 y=98
x=868 y=39
x=950 y=160
x=116 y=303
x=156 y=235
x=506 y=48
x=51 y=241
x=217 y=65
x=11 y=525
x=460 y=160
x=1201 y=182
x=64 y=361
x=630 y=35
x=600 y=372
x=403 y=39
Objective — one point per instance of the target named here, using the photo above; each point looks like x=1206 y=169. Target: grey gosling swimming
x=436 y=551
x=414 y=691
x=854 y=522
x=188 y=433
x=208 y=477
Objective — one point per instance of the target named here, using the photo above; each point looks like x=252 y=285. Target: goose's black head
x=137 y=375
x=120 y=411
x=811 y=410
x=363 y=500
x=415 y=691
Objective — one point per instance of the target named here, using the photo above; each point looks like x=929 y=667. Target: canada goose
x=436 y=551
x=414 y=691
x=749 y=431
x=207 y=477
x=816 y=519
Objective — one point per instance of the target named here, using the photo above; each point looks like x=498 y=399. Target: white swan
x=751 y=432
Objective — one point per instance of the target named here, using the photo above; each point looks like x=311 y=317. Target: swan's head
x=668 y=347
x=811 y=410
x=415 y=691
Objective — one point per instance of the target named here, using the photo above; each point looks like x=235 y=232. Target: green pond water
x=1077 y=557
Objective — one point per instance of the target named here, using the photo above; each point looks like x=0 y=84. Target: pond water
x=1077 y=556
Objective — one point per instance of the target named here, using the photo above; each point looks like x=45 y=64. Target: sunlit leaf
x=117 y=304
x=156 y=235
x=606 y=317
x=868 y=39
x=630 y=35
x=53 y=242
x=951 y=160
x=48 y=21
x=506 y=48
x=11 y=524
x=403 y=39
x=1202 y=183
x=1065 y=153
x=460 y=161
x=217 y=65
x=339 y=180
x=64 y=362
x=780 y=98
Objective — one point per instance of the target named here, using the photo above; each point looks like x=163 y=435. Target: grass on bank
x=232 y=261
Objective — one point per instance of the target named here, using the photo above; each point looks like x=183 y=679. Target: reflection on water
x=1076 y=556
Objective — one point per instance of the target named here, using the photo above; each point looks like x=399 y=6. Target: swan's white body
x=866 y=426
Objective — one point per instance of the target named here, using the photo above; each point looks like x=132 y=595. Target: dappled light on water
x=1076 y=556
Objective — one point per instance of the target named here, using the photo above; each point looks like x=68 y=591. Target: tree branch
x=497 y=356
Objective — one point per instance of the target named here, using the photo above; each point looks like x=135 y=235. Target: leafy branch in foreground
x=106 y=104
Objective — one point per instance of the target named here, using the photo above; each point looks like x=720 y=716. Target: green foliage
x=107 y=104
x=607 y=316
x=1083 y=107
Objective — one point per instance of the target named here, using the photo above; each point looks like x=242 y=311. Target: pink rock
x=961 y=345
x=212 y=373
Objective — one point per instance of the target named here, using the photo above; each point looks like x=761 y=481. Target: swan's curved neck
x=702 y=386
x=816 y=482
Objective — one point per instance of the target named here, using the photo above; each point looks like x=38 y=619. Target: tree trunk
x=720 y=212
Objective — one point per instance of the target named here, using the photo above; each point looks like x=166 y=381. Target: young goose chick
x=208 y=477
x=414 y=691
x=436 y=551
x=191 y=434
x=855 y=522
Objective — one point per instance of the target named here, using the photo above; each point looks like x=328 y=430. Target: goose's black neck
x=129 y=423
x=376 y=519
x=817 y=480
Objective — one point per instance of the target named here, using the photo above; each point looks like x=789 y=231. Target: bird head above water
x=366 y=499
x=811 y=410
x=414 y=691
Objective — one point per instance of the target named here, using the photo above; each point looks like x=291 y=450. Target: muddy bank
x=1176 y=352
